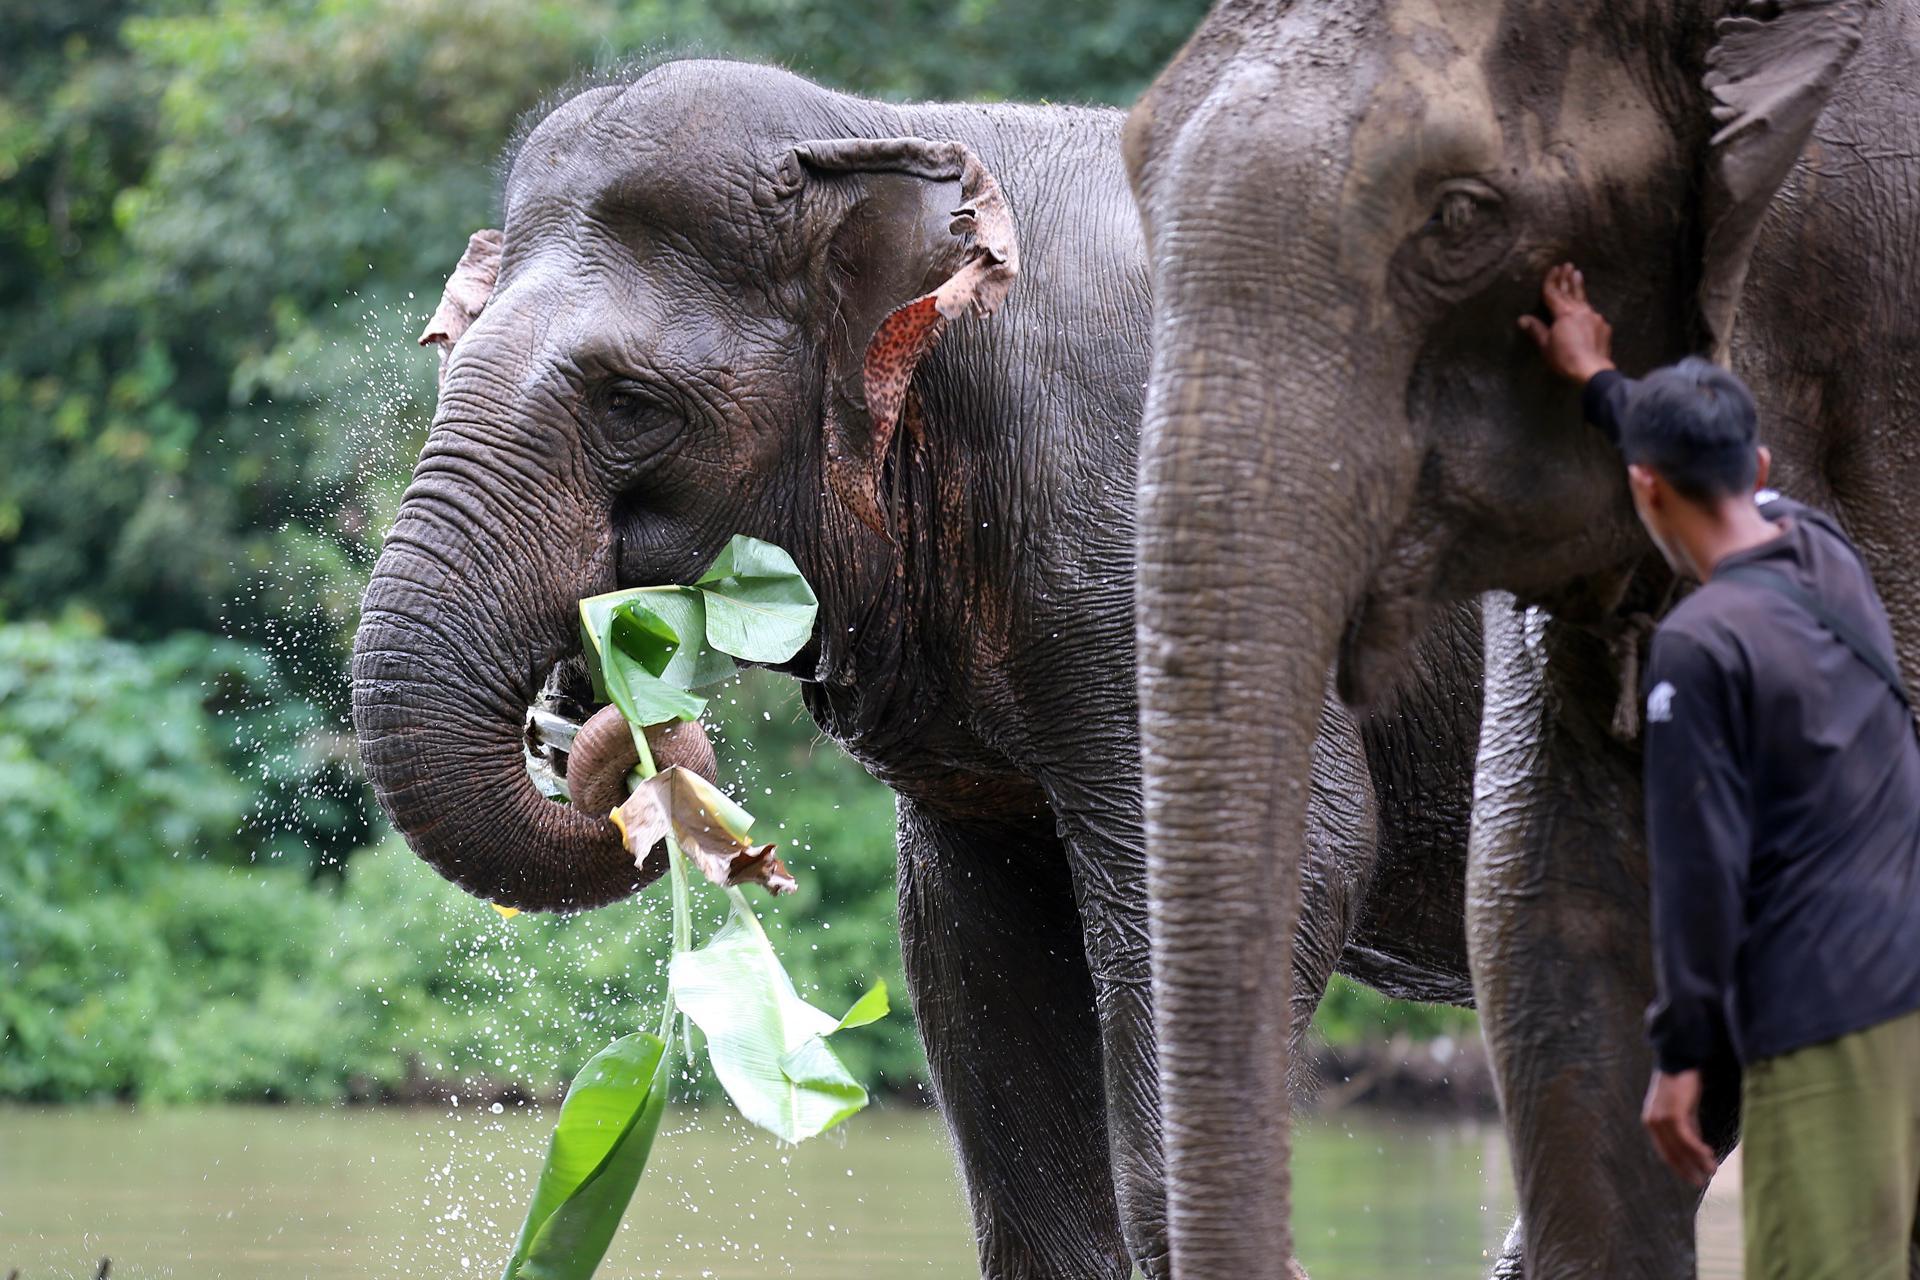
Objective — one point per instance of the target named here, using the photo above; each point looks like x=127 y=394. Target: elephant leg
x=1005 y=1003
x=1558 y=936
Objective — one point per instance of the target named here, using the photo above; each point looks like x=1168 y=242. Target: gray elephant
x=1350 y=203
x=720 y=305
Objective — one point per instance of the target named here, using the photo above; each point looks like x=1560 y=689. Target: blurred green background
x=221 y=226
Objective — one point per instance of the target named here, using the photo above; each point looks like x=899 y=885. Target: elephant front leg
x=1558 y=937
x=1005 y=1004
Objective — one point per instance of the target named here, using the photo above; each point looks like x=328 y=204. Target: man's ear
x=921 y=235
x=1646 y=485
x=1763 y=466
x=1772 y=67
x=465 y=295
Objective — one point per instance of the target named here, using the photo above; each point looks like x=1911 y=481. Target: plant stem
x=682 y=898
x=646 y=767
x=682 y=933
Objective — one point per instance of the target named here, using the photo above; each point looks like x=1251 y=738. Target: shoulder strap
x=1848 y=634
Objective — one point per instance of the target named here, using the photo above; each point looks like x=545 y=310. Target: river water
x=256 y=1193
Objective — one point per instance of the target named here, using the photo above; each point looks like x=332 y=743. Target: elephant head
x=701 y=317
x=1348 y=206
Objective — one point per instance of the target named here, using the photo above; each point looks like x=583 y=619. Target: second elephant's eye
x=1466 y=234
x=1460 y=206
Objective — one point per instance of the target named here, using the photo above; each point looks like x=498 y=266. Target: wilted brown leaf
x=710 y=829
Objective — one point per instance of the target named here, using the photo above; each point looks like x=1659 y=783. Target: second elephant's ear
x=1772 y=67
x=922 y=236
x=465 y=295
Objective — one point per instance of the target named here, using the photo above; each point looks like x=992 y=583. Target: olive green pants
x=1831 y=1161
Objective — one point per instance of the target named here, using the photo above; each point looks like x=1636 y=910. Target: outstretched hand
x=1578 y=343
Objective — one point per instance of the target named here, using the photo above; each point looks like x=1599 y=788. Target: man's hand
x=1579 y=342
x=1672 y=1118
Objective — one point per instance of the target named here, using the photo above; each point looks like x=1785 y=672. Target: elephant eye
x=631 y=411
x=1467 y=234
x=1460 y=206
x=627 y=401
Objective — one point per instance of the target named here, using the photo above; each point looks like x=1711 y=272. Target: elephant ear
x=466 y=294
x=1773 y=65
x=923 y=236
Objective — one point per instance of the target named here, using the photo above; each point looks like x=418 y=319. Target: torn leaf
x=710 y=829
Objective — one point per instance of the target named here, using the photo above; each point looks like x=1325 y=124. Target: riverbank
x=1444 y=1076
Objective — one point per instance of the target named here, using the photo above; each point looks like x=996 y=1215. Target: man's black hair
x=1695 y=424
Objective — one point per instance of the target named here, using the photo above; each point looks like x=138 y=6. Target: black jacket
x=1783 y=806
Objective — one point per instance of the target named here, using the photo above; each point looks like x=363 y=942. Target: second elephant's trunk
x=1255 y=546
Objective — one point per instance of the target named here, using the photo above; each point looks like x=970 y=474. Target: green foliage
x=220 y=224
x=116 y=759
x=134 y=934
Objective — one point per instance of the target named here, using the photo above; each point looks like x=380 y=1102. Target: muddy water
x=317 y=1194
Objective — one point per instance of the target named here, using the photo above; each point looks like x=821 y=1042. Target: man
x=1783 y=819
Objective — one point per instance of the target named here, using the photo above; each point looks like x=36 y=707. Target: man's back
x=1784 y=791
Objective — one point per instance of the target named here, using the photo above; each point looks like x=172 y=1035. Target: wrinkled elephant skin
x=1349 y=203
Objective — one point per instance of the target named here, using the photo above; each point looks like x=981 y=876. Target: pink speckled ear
x=902 y=238
x=466 y=294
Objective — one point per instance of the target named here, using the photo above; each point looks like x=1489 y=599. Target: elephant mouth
x=580 y=751
x=551 y=729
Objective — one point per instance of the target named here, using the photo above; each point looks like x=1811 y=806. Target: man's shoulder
x=1777 y=506
x=1713 y=616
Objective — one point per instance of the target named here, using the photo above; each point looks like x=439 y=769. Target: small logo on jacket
x=1660 y=703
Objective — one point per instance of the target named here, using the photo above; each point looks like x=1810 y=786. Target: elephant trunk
x=1255 y=545
x=471 y=604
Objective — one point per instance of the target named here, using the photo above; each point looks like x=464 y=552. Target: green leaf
x=761 y=1035
x=599 y=1149
x=870 y=1007
x=817 y=1069
x=759 y=607
x=644 y=666
x=696 y=663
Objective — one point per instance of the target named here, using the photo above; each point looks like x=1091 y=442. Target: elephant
x=1349 y=204
x=727 y=300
